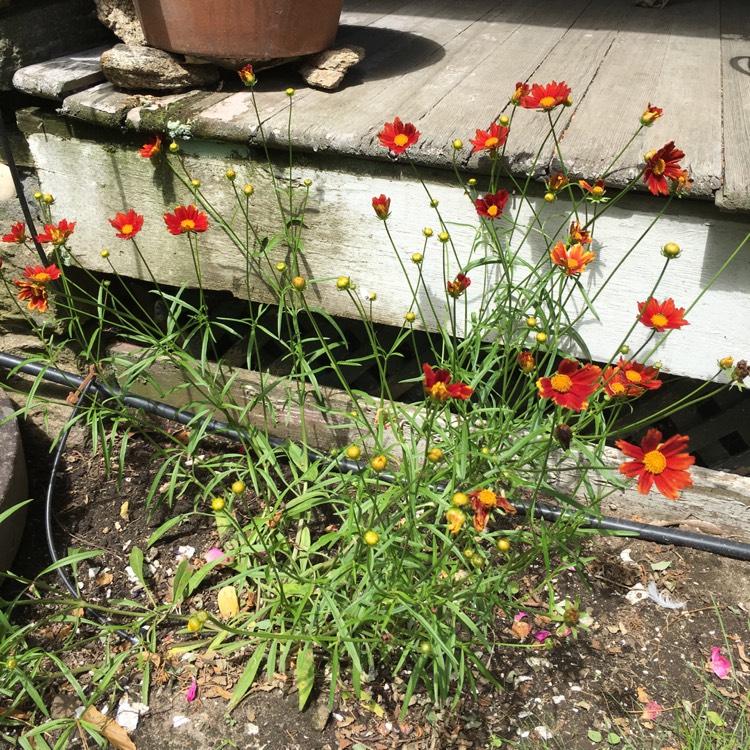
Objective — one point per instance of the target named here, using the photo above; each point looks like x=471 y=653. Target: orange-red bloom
x=57 y=234
x=661 y=315
x=186 y=219
x=595 y=191
x=489 y=140
x=522 y=89
x=630 y=379
x=547 y=96
x=127 y=224
x=150 y=148
x=526 y=361
x=662 y=165
x=663 y=464
x=35 y=294
x=398 y=136
x=492 y=205
x=651 y=115
x=483 y=501
x=457 y=287
x=382 y=206
x=583 y=236
x=438 y=385
x=17 y=234
x=557 y=182
x=247 y=76
x=572 y=384
x=41 y=274
x=573 y=260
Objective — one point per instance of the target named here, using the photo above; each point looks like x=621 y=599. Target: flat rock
x=138 y=68
x=327 y=69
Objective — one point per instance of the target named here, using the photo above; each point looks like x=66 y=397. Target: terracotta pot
x=240 y=29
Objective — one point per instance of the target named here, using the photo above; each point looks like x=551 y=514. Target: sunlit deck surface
x=449 y=68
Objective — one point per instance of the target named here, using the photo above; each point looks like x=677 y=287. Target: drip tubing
x=661 y=535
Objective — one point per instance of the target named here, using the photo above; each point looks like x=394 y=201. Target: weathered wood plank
x=343 y=237
x=735 y=64
x=639 y=67
x=56 y=78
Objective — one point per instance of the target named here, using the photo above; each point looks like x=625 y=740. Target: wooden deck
x=449 y=68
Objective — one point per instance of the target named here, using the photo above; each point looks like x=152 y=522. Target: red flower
x=492 y=204
x=36 y=294
x=571 y=386
x=459 y=286
x=557 y=182
x=186 y=219
x=127 y=224
x=382 y=207
x=582 y=236
x=526 y=361
x=151 y=148
x=662 y=165
x=595 y=191
x=651 y=115
x=57 y=234
x=573 y=260
x=522 y=89
x=546 y=97
x=247 y=76
x=489 y=140
x=661 y=315
x=438 y=385
x=398 y=136
x=41 y=275
x=17 y=234
x=630 y=379
x=664 y=464
x=483 y=501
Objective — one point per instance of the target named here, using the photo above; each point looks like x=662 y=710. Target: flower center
x=492 y=210
x=41 y=278
x=547 y=102
x=187 y=224
x=488 y=498
x=633 y=376
x=572 y=264
x=658 y=167
x=127 y=228
x=561 y=383
x=439 y=392
x=654 y=462
x=658 y=320
x=597 y=190
x=401 y=139
x=617 y=388
x=491 y=142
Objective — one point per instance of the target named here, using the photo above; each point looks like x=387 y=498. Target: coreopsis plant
x=406 y=548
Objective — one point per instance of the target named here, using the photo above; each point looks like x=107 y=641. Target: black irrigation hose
x=646 y=532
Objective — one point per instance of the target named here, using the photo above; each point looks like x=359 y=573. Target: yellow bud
x=434 y=203
x=434 y=455
x=105 y=253
x=444 y=237
x=195 y=183
x=726 y=363
x=48 y=199
x=299 y=283
x=471 y=181
x=671 y=250
x=410 y=317
x=38 y=196
x=281 y=267
x=230 y=174
x=217 y=504
x=549 y=197
x=460 y=498
x=290 y=92
x=372 y=296
x=503 y=545
x=238 y=487
x=343 y=282
x=458 y=144
x=174 y=147
x=531 y=321
x=379 y=463
x=427 y=232
x=248 y=190
x=194 y=625
x=417 y=258
x=307 y=182
x=353 y=452
x=624 y=349
x=541 y=337
x=504 y=121
x=371 y=538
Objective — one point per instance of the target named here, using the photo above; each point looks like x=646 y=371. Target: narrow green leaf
x=248 y=676
x=136 y=563
x=305 y=674
x=164 y=528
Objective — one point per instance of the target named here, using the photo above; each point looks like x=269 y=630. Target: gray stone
x=120 y=17
x=327 y=69
x=139 y=68
x=13 y=483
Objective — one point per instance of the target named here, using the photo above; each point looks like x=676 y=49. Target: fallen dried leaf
x=643 y=696
x=110 y=729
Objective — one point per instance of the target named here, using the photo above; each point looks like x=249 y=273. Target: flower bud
x=299 y=283
x=726 y=362
x=541 y=337
x=290 y=92
x=671 y=250
x=504 y=121
x=458 y=144
x=460 y=498
x=531 y=321
x=105 y=253
x=174 y=147
x=624 y=349
x=281 y=267
x=343 y=283
x=378 y=463
x=195 y=184
x=307 y=182
x=417 y=258
x=434 y=203
x=248 y=190
x=217 y=504
x=48 y=199
x=471 y=181
x=434 y=455
x=371 y=538
x=353 y=452
x=427 y=232
x=238 y=487
x=410 y=317
x=444 y=237
x=549 y=197
x=230 y=174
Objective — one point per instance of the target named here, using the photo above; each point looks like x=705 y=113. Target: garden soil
x=637 y=651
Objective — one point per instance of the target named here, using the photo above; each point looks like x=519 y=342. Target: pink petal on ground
x=720 y=664
x=192 y=692
x=520 y=616
x=542 y=635
x=214 y=554
x=651 y=711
